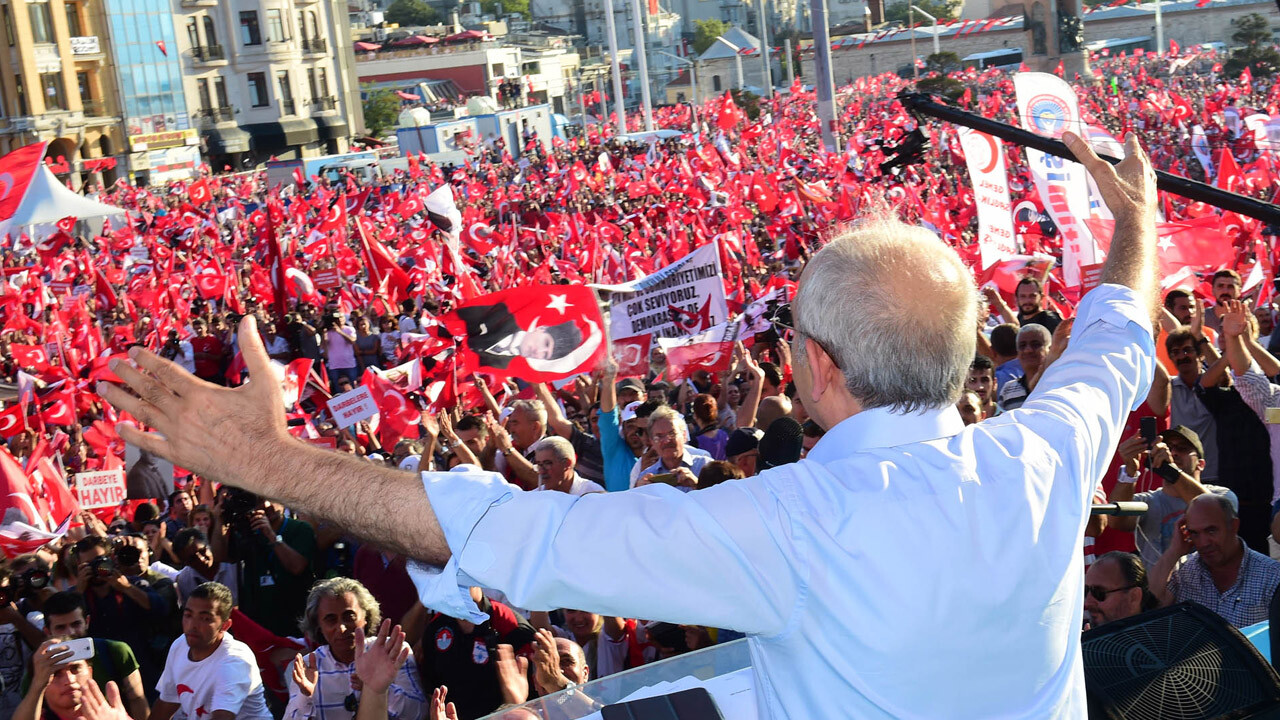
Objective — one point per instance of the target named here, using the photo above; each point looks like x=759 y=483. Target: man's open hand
x=207 y=429
x=1128 y=188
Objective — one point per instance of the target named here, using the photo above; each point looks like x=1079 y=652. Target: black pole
x=923 y=104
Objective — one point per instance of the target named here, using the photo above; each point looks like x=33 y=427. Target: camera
x=238 y=507
x=103 y=566
x=128 y=555
x=32 y=579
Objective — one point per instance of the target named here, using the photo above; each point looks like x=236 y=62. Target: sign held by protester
x=984 y=155
x=691 y=285
x=353 y=406
x=100 y=489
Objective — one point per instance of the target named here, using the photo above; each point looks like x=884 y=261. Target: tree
x=705 y=33
x=412 y=12
x=942 y=62
x=381 y=111
x=950 y=88
x=1258 y=54
x=499 y=8
x=941 y=9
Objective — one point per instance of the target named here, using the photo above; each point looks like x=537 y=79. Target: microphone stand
x=912 y=148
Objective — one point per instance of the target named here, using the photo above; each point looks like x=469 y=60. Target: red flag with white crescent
x=711 y=351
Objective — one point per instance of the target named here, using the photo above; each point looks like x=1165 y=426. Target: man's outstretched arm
x=239 y=436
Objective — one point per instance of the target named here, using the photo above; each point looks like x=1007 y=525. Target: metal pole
x=791 y=70
x=1159 y=30
x=737 y=61
x=823 y=82
x=619 y=103
x=911 y=28
x=763 y=27
x=693 y=90
x=935 y=27
x=642 y=65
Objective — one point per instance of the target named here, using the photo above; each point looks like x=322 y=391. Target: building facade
x=267 y=78
x=56 y=87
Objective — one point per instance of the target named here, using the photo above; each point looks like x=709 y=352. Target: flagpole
x=642 y=64
x=764 y=48
x=823 y=80
x=619 y=103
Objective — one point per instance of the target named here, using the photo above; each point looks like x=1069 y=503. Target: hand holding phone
x=664 y=478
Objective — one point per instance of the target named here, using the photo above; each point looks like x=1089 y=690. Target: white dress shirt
x=908 y=567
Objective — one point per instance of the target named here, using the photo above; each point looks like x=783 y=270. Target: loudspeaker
x=1176 y=663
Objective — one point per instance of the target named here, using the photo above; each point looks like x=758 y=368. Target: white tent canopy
x=47 y=200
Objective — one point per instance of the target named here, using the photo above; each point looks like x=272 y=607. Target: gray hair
x=535 y=408
x=676 y=419
x=1036 y=329
x=336 y=588
x=895 y=309
x=557 y=446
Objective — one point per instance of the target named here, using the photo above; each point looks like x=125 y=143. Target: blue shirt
x=692 y=460
x=908 y=567
x=618 y=458
x=1011 y=370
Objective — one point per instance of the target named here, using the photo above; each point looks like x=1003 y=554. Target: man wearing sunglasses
x=841 y=621
x=1115 y=587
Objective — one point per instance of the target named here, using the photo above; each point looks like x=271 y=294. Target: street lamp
x=935 y=27
x=737 y=60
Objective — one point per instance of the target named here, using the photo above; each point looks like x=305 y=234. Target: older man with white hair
x=556 y=461
x=989 y=575
x=1034 y=342
x=676 y=465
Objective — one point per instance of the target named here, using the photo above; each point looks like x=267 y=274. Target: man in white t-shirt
x=210 y=675
x=555 y=459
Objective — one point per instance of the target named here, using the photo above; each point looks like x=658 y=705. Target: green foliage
x=508 y=7
x=941 y=9
x=950 y=88
x=412 y=12
x=748 y=102
x=942 y=62
x=1258 y=53
x=706 y=32
x=381 y=112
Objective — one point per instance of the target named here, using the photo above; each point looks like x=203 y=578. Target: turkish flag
x=398 y=417
x=199 y=193
x=67 y=224
x=1229 y=176
x=59 y=412
x=29 y=356
x=49 y=482
x=16 y=170
x=632 y=355
x=211 y=286
x=1007 y=273
x=711 y=351
x=22 y=527
x=1199 y=243
x=537 y=333
x=381 y=264
x=11 y=422
x=293 y=377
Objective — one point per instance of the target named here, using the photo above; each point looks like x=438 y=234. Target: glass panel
x=249 y=32
x=73 y=20
x=41 y=22
x=275 y=26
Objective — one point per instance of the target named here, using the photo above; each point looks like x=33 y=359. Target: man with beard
x=1030 y=298
x=324 y=685
x=1226 y=288
x=122 y=608
x=1115 y=587
x=1186 y=409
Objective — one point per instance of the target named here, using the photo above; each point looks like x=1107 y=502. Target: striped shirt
x=1246 y=602
x=405 y=699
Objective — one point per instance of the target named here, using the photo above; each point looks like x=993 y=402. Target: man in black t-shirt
x=1030 y=298
x=461 y=655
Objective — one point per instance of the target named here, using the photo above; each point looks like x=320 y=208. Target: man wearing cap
x=623 y=436
x=742 y=449
x=1181 y=447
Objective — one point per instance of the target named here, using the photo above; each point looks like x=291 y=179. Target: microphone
x=1120 y=509
x=781 y=443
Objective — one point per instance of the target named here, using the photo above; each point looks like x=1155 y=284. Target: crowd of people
x=200 y=600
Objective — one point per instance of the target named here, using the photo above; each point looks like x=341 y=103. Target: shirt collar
x=884 y=428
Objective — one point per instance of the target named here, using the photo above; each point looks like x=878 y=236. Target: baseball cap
x=1187 y=434
x=629 y=412
x=743 y=440
x=629 y=384
x=410 y=463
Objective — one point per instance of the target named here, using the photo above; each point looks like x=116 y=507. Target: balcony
x=287 y=107
x=208 y=53
x=315 y=45
x=85 y=45
x=325 y=103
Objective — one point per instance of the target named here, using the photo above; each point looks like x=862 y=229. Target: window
x=54 y=96
x=258 y=89
x=498 y=70
x=715 y=83
x=286 y=92
x=275 y=26
x=193 y=33
x=311 y=83
x=22 y=95
x=302 y=25
x=210 y=35
x=220 y=92
x=322 y=82
x=74 y=29
x=82 y=84
x=41 y=22
x=205 y=103
x=249 y=32
x=315 y=27
x=8 y=24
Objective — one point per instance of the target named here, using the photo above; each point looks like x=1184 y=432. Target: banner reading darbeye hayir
x=538 y=333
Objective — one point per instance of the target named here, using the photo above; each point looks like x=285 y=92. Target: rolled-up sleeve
x=1105 y=373
x=1257 y=391
x=647 y=552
